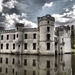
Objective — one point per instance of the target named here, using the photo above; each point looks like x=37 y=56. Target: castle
x=44 y=40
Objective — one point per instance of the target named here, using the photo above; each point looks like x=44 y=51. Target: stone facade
x=39 y=40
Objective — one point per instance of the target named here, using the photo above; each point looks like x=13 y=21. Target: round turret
x=19 y=26
x=46 y=30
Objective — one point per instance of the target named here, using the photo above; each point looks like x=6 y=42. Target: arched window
x=7 y=46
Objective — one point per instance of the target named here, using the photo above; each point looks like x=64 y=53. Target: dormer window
x=17 y=28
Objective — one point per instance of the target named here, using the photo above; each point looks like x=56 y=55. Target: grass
x=73 y=50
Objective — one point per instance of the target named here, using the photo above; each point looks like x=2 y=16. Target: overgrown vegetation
x=72 y=37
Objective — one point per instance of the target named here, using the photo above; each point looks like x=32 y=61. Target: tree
x=72 y=36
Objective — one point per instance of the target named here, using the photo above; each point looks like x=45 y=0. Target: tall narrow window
x=48 y=72
x=7 y=46
x=47 y=22
x=48 y=29
x=0 y=59
x=16 y=72
x=34 y=36
x=6 y=60
x=13 y=61
x=34 y=46
x=13 y=70
x=34 y=72
x=48 y=36
x=7 y=37
x=14 y=36
x=25 y=62
x=34 y=62
x=17 y=35
x=48 y=46
x=25 y=46
x=1 y=37
x=0 y=69
x=25 y=36
x=13 y=46
x=25 y=72
x=6 y=70
x=48 y=64
x=1 y=46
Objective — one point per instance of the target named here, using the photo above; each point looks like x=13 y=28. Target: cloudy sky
x=27 y=11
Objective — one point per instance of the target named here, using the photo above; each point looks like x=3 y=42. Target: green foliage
x=72 y=37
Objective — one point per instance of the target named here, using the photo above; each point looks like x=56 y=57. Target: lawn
x=73 y=50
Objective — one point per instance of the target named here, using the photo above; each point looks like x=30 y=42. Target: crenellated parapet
x=47 y=17
x=2 y=28
x=19 y=25
x=61 y=28
x=30 y=29
x=8 y=31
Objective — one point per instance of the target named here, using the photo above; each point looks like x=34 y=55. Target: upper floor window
x=34 y=36
x=1 y=37
x=48 y=36
x=17 y=35
x=34 y=72
x=6 y=70
x=14 y=36
x=48 y=29
x=1 y=46
x=48 y=46
x=7 y=46
x=0 y=59
x=25 y=36
x=13 y=70
x=48 y=72
x=62 y=40
x=0 y=69
x=13 y=46
x=47 y=22
x=17 y=28
x=25 y=72
x=34 y=45
x=7 y=37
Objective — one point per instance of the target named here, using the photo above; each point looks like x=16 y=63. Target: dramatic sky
x=27 y=11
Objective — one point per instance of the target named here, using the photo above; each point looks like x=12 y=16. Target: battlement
x=19 y=25
x=47 y=17
x=61 y=28
x=8 y=31
x=2 y=28
x=30 y=29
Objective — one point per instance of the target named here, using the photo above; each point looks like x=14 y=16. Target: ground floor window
x=34 y=45
x=1 y=46
x=25 y=46
x=13 y=46
x=7 y=46
x=0 y=59
x=48 y=46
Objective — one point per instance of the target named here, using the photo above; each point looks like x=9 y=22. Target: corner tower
x=46 y=34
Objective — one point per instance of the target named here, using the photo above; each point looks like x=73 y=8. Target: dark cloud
x=5 y=1
x=10 y=11
x=33 y=8
x=2 y=19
